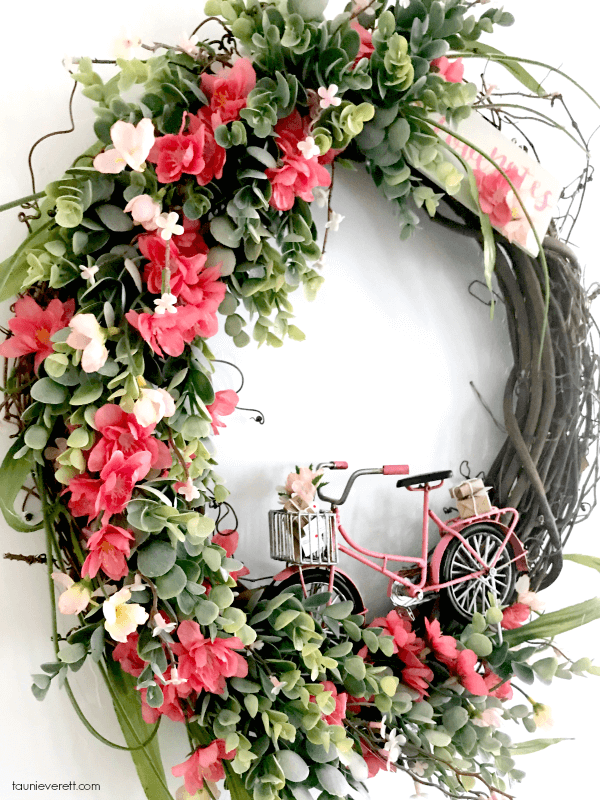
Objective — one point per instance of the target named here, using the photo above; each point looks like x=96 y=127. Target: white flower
x=175 y=680
x=76 y=596
x=419 y=768
x=89 y=273
x=189 y=491
x=165 y=304
x=69 y=62
x=122 y=617
x=129 y=46
x=152 y=406
x=308 y=148
x=334 y=221
x=489 y=718
x=321 y=196
x=526 y=596
x=160 y=626
x=137 y=585
x=320 y=263
x=277 y=684
x=393 y=745
x=86 y=335
x=168 y=223
x=328 y=96
x=208 y=792
x=188 y=46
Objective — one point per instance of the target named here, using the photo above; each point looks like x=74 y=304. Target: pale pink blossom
x=168 y=225
x=188 y=490
x=277 y=684
x=76 y=597
x=132 y=144
x=152 y=406
x=165 y=304
x=188 y=45
x=451 y=71
x=489 y=718
x=328 y=96
x=308 y=148
x=89 y=273
x=122 y=617
x=300 y=484
x=144 y=211
x=86 y=335
x=527 y=597
x=129 y=46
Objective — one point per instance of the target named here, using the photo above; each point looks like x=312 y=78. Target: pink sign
x=536 y=189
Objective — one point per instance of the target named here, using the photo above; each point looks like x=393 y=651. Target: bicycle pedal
x=399 y=597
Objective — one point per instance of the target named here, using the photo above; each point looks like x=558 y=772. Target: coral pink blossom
x=176 y=153
x=451 y=71
x=493 y=191
x=228 y=540
x=190 y=242
x=375 y=762
x=213 y=155
x=227 y=92
x=225 y=403
x=407 y=647
x=297 y=176
x=206 y=764
x=119 y=477
x=84 y=491
x=205 y=663
x=366 y=48
x=144 y=211
x=127 y=655
x=109 y=550
x=443 y=647
x=167 y=332
x=121 y=431
x=171 y=705
x=464 y=669
x=33 y=328
x=415 y=674
x=503 y=691
x=132 y=144
x=514 y=616
x=338 y=715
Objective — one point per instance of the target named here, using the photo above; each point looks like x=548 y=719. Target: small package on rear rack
x=303 y=537
x=471 y=498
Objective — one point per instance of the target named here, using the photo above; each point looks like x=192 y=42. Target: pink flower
x=33 y=328
x=152 y=406
x=109 y=550
x=375 y=762
x=297 y=176
x=224 y=404
x=228 y=540
x=213 y=154
x=464 y=669
x=328 y=95
x=366 y=48
x=338 y=715
x=495 y=686
x=191 y=242
x=227 y=92
x=118 y=479
x=167 y=332
x=443 y=647
x=132 y=144
x=171 y=705
x=144 y=211
x=451 y=71
x=207 y=663
x=86 y=335
x=127 y=655
x=399 y=627
x=300 y=484
x=514 y=616
x=206 y=763
x=489 y=718
x=493 y=194
x=84 y=491
x=121 y=431
x=176 y=153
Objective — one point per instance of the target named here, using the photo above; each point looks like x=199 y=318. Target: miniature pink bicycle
x=475 y=557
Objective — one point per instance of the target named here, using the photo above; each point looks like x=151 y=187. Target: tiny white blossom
x=328 y=96
x=129 y=46
x=89 y=273
x=277 y=684
x=188 y=46
x=419 y=768
x=160 y=626
x=334 y=221
x=175 y=680
x=321 y=196
x=308 y=148
x=393 y=745
x=189 y=491
x=168 y=223
x=165 y=304
x=320 y=263
x=69 y=62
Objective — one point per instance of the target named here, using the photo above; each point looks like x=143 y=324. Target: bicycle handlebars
x=388 y=469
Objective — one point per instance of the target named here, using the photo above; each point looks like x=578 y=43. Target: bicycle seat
x=426 y=477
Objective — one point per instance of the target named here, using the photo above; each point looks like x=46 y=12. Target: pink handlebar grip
x=340 y=465
x=396 y=469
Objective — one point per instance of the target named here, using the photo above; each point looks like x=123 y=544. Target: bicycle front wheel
x=463 y=599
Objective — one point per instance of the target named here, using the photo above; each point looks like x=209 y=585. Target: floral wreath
x=196 y=202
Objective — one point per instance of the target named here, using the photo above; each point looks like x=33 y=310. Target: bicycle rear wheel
x=316 y=580
x=463 y=599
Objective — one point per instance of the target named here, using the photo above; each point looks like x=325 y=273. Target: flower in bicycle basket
x=300 y=488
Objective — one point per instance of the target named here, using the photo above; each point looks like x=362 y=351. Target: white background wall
x=392 y=343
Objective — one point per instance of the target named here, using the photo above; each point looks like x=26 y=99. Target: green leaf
x=206 y=612
x=555 y=622
x=339 y=610
x=533 y=746
x=293 y=766
x=48 y=391
x=87 y=393
x=114 y=218
x=70 y=653
x=171 y=583
x=512 y=65
x=14 y=472
x=36 y=437
x=156 y=559
x=586 y=561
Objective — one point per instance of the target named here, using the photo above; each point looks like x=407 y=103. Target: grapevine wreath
x=191 y=211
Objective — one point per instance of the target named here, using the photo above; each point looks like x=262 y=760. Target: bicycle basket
x=303 y=537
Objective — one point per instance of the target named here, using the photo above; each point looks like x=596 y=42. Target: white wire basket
x=303 y=537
